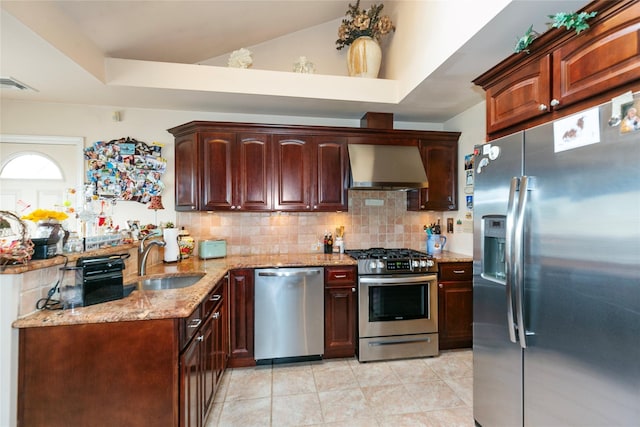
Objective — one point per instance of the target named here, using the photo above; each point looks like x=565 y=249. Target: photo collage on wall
x=125 y=169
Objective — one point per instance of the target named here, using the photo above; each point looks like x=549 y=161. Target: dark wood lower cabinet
x=141 y=373
x=104 y=374
x=191 y=385
x=340 y=312
x=204 y=360
x=455 y=305
x=241 y=300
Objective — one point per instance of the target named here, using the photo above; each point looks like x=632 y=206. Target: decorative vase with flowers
x=49 y=229
x=361 y=30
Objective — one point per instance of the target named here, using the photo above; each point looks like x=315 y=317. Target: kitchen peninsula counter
x=173 y=303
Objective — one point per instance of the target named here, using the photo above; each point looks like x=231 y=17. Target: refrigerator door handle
x=509 y=260
x=526 y=185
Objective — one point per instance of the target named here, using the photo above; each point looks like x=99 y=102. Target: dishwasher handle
x=288 y=273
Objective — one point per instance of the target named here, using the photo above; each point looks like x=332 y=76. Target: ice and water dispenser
x=493 y=256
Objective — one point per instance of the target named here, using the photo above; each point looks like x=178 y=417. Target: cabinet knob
x=315 y=206
x=542 y=107
x=216 y=315
x=353 y=289
x=308 y=207
x=554 y=102
x=421 y=206
x=193 y=208
x=233 y=207
x=440 y=285
x=200 y=338
x=215 y=297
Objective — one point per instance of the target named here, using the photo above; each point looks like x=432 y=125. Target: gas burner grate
x=382 y=253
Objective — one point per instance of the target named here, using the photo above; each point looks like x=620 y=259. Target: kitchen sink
x=172 y=282
x=162 y=283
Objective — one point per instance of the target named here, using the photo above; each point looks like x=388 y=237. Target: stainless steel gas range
x=397 y=304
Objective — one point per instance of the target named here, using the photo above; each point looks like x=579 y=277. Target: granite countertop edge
x=174 y=303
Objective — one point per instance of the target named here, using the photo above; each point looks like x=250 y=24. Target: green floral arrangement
x=571 y=21
x=363 y=22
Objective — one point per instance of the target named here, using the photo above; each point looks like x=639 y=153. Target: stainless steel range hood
x=386 y=167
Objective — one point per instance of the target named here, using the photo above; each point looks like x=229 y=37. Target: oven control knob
x=430 y=263
x=415 y=263
x=380 y=264
x=373 y=265
x=423 y=263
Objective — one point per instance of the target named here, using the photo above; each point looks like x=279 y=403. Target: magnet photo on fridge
x=630 y=119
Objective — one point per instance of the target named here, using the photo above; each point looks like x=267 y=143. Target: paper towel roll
x=171 y=248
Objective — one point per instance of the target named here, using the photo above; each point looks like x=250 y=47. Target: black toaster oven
x=102 y=278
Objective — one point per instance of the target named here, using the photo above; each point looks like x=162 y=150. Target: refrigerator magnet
x=577 y=130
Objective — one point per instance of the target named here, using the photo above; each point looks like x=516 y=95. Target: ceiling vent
x=11 y=83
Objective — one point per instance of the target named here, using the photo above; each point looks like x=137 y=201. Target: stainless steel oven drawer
x=397 y=347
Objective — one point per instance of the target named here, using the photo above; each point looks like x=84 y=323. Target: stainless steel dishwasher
x=289 y=312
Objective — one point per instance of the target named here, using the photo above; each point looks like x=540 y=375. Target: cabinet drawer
x=190 y=325
x=455 y=271
x=339 y=275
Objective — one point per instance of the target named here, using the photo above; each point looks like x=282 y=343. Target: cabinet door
x=221 y=333
x=253 y=173
x=606 y=56
x=330 y=180
x=440 y=160
x=292 y=167
x=209 y=367
x=217 y=159
x=340 y=311
x=455 y=305
x=521 y=95
x=339 y=321
x=191 y=386
x=241 y=291
x=187 y=178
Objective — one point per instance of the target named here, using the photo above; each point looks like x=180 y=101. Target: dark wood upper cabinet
x=522 y=95
x=311 y=173
x=187 y=188
x=440 y=158
x=253 y=172
x=292 y=167
x=217 y=170
x=331 y=168
x=609 y=56
x=235 y=171
x=566 y=72
x=239 y=167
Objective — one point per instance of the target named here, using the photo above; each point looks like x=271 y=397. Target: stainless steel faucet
x=143 y=252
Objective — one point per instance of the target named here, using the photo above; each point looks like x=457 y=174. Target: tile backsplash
x=374 y=219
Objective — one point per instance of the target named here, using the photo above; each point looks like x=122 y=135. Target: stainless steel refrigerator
x=556 y=287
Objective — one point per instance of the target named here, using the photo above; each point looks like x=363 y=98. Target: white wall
x=95 y=123
x=472 y=124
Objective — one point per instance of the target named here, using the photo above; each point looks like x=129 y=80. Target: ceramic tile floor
x=434 y=391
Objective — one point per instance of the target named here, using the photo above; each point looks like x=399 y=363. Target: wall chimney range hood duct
x=386 y=167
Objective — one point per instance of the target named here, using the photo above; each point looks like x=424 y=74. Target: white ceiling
x=192 y=31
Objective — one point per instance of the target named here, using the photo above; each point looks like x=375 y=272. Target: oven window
x=402 y=302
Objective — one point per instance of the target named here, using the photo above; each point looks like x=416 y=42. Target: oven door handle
x=397 y=280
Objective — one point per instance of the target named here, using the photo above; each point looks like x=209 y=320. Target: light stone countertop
x=174 y=303
x=447 y=256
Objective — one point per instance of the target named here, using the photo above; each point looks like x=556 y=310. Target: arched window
x=31 y=166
